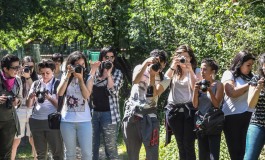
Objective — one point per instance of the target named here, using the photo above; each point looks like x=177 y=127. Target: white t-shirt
x=235 y=105
x=138 y=91
x=75 y=107
x=42 y=110
x=181 y=91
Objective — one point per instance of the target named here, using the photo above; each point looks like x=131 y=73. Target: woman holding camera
x=256 y=98
x=179 y=110
x=43 y=97
x=106 y=114
x=235 y=107
x=10 y=97
x=208 y=94
x=28 y=76
x=140 y=122
x=76 y=85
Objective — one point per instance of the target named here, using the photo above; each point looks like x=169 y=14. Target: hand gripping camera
x=9 y=101
x=204 y=85
x=106 y=64
x=40 y=94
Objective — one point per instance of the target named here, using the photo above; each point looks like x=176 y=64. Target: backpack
x=211 y=123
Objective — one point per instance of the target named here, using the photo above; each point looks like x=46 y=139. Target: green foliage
x=214 y=28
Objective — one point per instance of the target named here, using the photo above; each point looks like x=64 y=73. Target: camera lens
x=182 y=60
x=26 y=69
x=107 y=64
x=156 y=67
x=78 y=69
x=204 y=85
x=204 y=88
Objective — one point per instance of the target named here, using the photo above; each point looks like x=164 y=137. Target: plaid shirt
x=114 y=96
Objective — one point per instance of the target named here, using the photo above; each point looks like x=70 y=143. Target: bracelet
x=27 y=78
x=172 y=69
x=109 y=76
x=66 y=79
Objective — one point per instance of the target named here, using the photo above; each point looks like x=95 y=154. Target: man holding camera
x=106 y=114
x=10 y=96
x=140 y=122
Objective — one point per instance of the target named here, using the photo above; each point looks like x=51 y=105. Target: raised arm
x=137 y=74
x=254 y=92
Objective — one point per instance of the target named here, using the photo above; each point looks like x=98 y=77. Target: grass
x=170 y=152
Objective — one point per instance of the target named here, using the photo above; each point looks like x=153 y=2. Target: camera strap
x=37 y=85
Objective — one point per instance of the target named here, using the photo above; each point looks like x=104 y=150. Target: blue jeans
x=83 y=132
x=255 y=142
x=101 y=122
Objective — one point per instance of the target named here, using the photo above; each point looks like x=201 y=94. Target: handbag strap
x=61 y=98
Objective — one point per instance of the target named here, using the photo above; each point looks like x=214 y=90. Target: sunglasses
x=16 y=68
x=109 y=57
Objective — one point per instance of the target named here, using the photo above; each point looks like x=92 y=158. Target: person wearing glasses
x=140 y=122
x=28 y=76
x=43 y=97
x=235 y=107
x=10 y=97
x=58 y=60
x=105 y=99
x=77 y=85
x=256 y=98
x=179 y=110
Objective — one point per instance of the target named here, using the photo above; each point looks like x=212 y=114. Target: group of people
x=29 y=95
x=90 y=106
x=239 y=94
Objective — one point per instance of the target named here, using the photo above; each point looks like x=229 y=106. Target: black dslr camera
x=40 y=94
x=26 y=69
x=78 y=68
x=204 y=85
x=182 y=59
x=156 y=66
x=106 y=64
x=9 y=100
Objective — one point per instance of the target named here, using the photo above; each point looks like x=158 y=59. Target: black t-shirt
x=100 y=96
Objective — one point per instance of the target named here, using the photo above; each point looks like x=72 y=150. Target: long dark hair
x=33 y=75
x=103 y=53
x=188 y=49
x=238 y=61
x=75 y=56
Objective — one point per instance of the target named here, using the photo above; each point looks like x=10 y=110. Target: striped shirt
x=258 y=116
x=114 y=96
